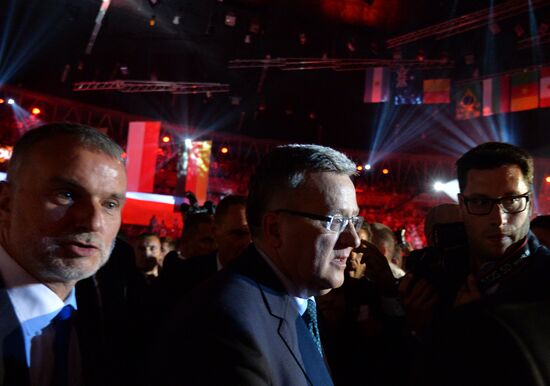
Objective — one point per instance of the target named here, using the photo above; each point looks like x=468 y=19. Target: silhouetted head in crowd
x=147 y=249
x=302 y=212
x=438 y=215
x=198 y=235
x=384 y=239
x=167 y=244
x=60 y=208
x=540 y=226
x=495 y=197
x=231 y=228
x=356 y=269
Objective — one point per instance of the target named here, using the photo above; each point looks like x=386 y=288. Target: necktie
x=310 y=317
x=62 y=325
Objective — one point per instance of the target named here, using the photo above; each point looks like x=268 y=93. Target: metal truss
x=302 y=64
x=468 y=22
x=534 y=41
x=139 y=86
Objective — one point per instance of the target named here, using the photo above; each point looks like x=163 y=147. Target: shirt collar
x=34 y=303
x=300 y=303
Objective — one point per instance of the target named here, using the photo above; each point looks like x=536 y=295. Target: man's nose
x=88 y=215
x=498 y=215
x=349 y=237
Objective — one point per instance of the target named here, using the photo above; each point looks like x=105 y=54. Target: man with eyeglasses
x=254 y=322
x=502 y=268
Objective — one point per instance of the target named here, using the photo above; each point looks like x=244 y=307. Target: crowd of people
x=288 y=285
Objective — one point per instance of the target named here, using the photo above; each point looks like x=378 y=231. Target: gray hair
x=86 y=136
x=283 y=170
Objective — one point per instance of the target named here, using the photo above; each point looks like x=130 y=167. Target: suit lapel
x=13 y=363
x=291 y=328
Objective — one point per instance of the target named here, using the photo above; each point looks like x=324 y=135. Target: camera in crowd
x=193 y=207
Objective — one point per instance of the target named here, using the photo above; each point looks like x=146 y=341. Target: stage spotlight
x=2 y=101
x=224 y=150
x=11 y=101
x=152 y=21
x=35 y=111
x=385 y=171
x=188 y=142
x=359 y=167
x=548 y=179
x=450 y=188
x=166 y=139
x=368 y=167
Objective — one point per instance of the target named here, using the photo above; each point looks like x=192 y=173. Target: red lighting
x=2 y=101
x=35 y=111
x=224 y=150
x=359 y=167
x=547 y=179
x=166 y=139
x=385 y=171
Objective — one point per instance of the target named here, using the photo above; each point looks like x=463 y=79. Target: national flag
x=407 y=86
x=496 y=95
x=377 y=85
x=545 y=87
x=467 y=100
x=141 y=155
x=525 y=91
x=437 y=91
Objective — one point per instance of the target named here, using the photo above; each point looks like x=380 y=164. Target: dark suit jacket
x=13 y=366
x=238 y=328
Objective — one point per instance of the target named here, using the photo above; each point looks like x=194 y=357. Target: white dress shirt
x=35 y=306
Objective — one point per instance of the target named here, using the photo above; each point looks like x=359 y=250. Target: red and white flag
x=377 y=85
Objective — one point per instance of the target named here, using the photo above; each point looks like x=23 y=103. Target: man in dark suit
x=231 y=235
x=60 y=211
x=254 y=323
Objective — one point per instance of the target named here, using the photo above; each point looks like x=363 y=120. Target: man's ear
x=271 y=232
x=5 y=200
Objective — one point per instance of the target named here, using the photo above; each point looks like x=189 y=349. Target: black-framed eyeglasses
x=483 y=205
x=334 y=223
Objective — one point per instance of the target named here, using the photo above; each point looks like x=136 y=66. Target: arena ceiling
x=48 y=45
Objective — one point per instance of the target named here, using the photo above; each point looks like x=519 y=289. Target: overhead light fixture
x=230 y=19
x=176 y=20
x=154 y=2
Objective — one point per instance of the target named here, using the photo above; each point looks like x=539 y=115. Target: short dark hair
x=542 y=221
x=192 y=222
x=227 y=202
x=284 y=169
x=87 y=136
x=145 y=235
x=491 y=155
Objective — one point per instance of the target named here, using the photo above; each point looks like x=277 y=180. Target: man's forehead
x=505 y=176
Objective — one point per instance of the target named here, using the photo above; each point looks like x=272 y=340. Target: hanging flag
x=467 y=99
x=407 y=86
x=496 y=95
x=545 y=87
x=377 y=85
x=437 y=91
x=141 y=155
x=525 y=91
